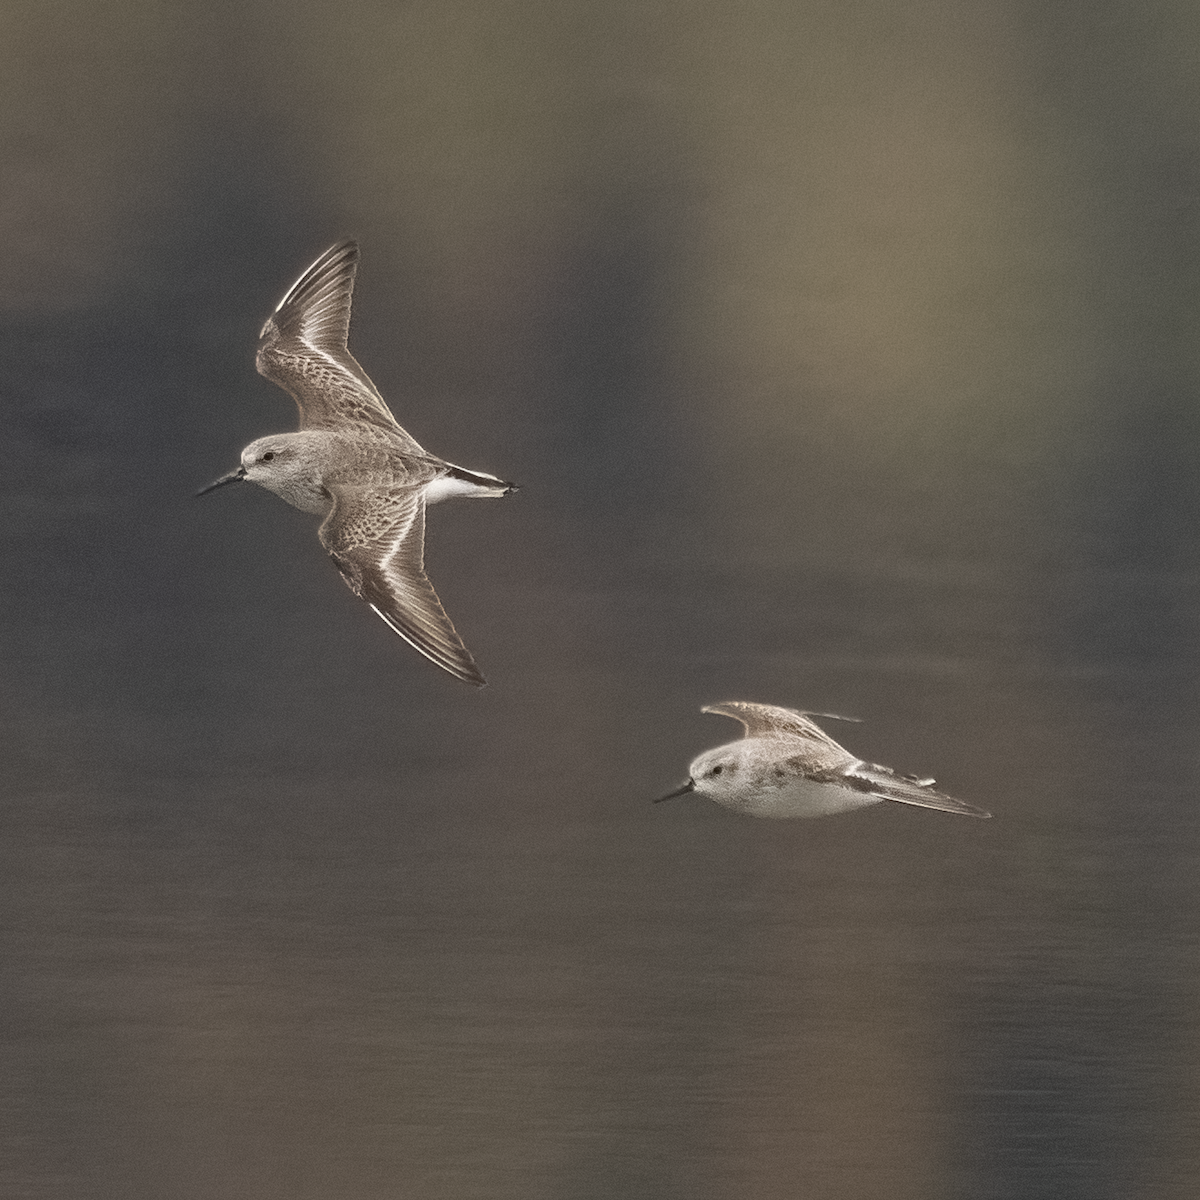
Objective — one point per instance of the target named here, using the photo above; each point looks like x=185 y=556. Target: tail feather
x=492 y=483
x=455 y=481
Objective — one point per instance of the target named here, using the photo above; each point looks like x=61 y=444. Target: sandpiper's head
x=288 y=464
x=716 y=774
x=292 y=465
x=265 y=462
x=269 y=459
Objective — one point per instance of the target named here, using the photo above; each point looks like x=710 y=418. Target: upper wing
x=906 y=789
x=768 y=720
x=302 y=348
x=378 y=543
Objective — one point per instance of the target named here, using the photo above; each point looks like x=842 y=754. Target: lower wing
x=888 y=785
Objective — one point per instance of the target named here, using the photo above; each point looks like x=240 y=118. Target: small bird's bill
x=690 y=786
x=233 y=477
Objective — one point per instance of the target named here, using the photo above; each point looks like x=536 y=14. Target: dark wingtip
x=465 y=672
x=972 y=810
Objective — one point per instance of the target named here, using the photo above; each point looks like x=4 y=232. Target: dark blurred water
x=846 y=356
x=289 y=914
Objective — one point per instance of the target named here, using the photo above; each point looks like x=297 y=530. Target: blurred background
x=847 y=356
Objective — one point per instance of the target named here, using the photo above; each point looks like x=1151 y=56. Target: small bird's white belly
x=798 y=797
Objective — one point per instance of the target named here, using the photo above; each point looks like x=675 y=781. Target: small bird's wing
x=378 y=544
x=768 y=720
x=906 y=789
x=302 y=348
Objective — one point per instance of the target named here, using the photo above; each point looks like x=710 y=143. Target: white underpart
x=799 y=797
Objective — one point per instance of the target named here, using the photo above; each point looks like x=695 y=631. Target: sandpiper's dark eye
x=270 y=454
x=716 y=770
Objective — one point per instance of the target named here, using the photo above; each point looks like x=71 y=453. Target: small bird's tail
x=480 y=482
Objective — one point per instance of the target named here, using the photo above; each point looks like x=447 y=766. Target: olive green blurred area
x=847 y=356
x=856 y=258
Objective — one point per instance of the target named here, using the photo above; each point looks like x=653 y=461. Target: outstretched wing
x=770 y=721
x=885 y=783
x=378 y=544
x=302 y=348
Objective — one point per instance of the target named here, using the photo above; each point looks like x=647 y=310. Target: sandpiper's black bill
x=690 y=786
x=233 y=477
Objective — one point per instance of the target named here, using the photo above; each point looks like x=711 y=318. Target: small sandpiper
x=786 y=766
x=352 y=464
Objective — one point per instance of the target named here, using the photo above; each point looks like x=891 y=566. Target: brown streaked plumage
x=353 y=464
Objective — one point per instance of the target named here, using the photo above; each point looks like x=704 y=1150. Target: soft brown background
x=847 y=353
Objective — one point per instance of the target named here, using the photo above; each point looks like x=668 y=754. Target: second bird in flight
x=788 y=766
